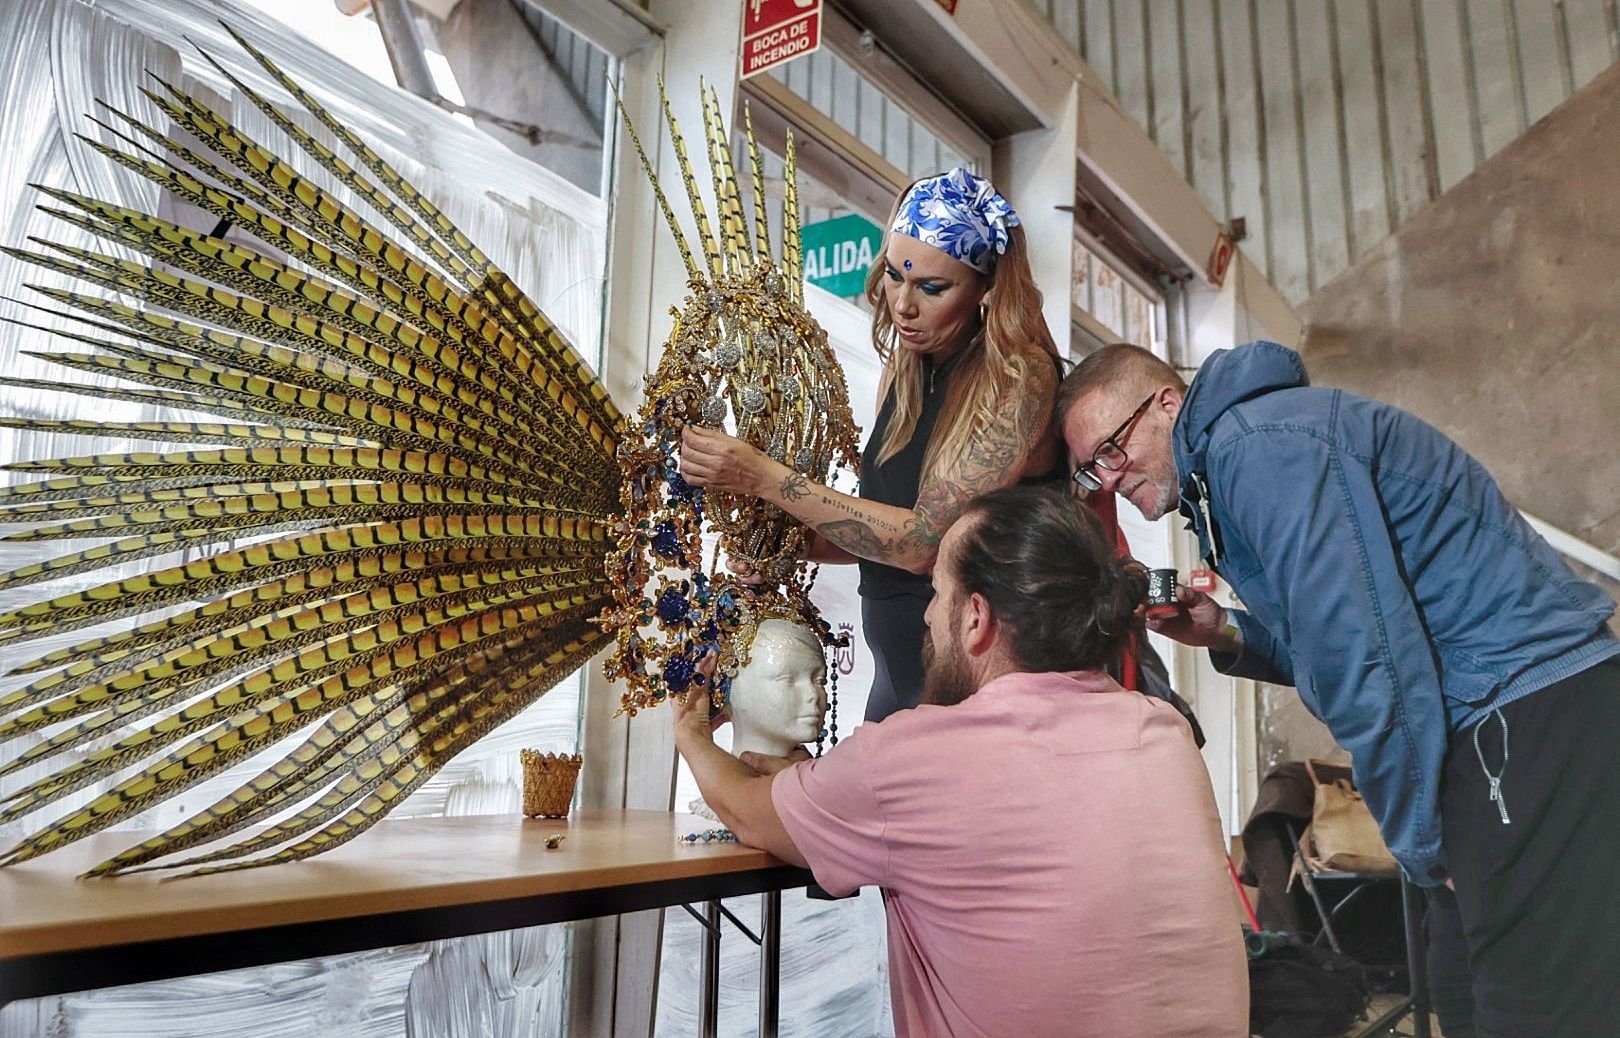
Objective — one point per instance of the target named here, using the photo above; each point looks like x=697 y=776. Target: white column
x=1035 y=170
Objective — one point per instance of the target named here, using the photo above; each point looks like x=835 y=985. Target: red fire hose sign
x=776 y=31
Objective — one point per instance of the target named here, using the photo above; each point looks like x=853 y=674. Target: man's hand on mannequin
x=738 y=795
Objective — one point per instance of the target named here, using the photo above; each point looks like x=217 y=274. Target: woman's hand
x=710 y=458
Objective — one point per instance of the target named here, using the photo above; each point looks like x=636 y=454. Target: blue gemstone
x=672 y=606
x=678 y=673
x=665 y=541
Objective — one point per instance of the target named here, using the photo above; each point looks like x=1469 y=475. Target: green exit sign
x=838 y=253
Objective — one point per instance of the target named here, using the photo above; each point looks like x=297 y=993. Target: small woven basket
x=548 y=783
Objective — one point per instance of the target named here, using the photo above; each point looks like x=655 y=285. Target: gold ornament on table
x=413 y=510
x=743 y=349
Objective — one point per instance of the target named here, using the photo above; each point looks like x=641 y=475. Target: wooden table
x=406 y=881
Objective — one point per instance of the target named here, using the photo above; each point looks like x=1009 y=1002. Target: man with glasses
x=1472 y=678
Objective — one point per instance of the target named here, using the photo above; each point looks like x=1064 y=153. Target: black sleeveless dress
x=893 y=600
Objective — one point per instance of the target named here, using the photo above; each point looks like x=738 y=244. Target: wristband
x=1231 y=636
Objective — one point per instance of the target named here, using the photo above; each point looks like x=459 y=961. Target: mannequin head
x=779 y=700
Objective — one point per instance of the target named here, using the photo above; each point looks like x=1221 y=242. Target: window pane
x=1114 y=301
x=838 y=91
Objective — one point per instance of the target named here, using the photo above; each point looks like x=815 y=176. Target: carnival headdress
x=743 y=348
x=409 y=509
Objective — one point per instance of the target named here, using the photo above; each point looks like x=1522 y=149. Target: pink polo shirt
x=1051 y=862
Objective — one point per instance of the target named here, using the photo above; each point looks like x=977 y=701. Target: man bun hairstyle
x=1054 y=581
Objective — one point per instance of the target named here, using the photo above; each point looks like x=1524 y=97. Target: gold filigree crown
x=743 y=351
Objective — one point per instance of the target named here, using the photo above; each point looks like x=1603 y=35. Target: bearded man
x=1047 y=844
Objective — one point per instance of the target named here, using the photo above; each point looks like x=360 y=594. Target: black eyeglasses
x=1109 y=454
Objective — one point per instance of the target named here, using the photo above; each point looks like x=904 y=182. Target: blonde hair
x=994 y=362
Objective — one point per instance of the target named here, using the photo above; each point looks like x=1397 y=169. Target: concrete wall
x=1495 y=315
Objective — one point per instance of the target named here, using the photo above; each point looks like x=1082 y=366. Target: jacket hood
x=1226 y=379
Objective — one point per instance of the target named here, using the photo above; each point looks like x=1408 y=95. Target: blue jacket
x=1383 y=575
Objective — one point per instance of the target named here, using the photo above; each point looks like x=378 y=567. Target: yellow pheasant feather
x=413 y=498
x=418 y=472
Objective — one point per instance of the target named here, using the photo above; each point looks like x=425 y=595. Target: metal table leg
x=770 y=962
x=709 y=1001
x=769 y=940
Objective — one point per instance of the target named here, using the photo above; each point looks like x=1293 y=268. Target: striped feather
x=384 y=717
x=384 y=520
x=400 y=478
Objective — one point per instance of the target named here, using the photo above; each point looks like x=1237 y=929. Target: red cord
x=1243 y=895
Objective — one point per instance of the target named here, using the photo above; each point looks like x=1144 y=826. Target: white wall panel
x=1371 y=212
x=1132 y=84
x=1539 y=51
x=1096 y=39
x=1287 y=222
x=1452 y=93
x=1167 y=80
x=1404 y=103
x=1206 y=95
x=1501 y=99
x=1245 y=131
x=1594 y=37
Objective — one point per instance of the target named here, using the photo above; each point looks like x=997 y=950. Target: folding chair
x=1416 y=1002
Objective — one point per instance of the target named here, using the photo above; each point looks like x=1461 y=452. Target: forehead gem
x=907 y=264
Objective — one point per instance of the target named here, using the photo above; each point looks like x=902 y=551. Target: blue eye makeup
x=930 y=288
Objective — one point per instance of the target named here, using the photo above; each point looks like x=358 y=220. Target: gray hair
x=1122 y=370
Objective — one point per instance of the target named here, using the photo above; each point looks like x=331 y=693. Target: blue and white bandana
x=959 y=214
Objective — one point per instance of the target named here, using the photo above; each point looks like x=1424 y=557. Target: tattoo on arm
x=856 y=537
x=993 y=459
x=887 y=534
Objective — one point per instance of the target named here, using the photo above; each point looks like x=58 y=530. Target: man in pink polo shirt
x=1047 y=843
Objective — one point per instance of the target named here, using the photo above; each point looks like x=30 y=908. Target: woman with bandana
x=969 y=376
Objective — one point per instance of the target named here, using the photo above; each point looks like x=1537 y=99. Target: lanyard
x=1202 y=504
